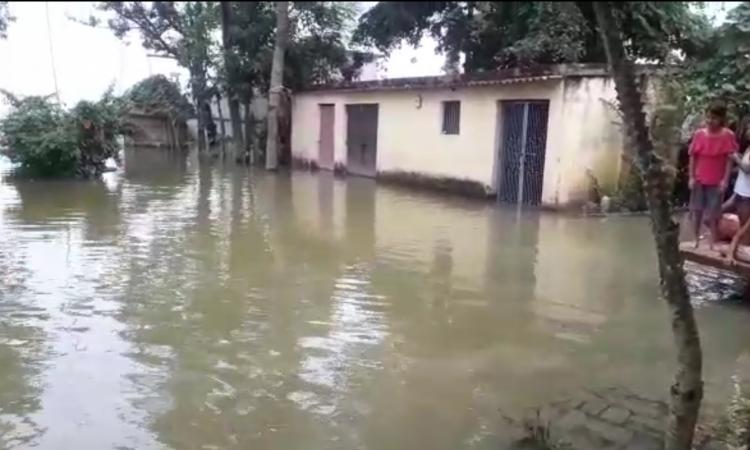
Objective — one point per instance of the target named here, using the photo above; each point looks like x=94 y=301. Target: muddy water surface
x=180 y=304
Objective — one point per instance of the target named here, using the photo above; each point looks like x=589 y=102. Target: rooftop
x=499 y=77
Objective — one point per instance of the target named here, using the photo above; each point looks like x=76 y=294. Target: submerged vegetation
x=46 y=140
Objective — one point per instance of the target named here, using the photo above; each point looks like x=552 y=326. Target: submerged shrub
x=37 y=138
x=46 y=141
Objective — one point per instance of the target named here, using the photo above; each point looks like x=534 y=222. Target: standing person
x=711 y=155
x=741 y=195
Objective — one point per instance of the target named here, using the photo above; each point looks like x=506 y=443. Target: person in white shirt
x=741 y=201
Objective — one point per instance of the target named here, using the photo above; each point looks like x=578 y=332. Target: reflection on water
x=187 y=304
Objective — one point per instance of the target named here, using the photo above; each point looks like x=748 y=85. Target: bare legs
x=697 y=222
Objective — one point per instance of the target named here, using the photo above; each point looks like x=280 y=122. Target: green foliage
x=5 y=19
x=738 y=418
x=156 y=94
x=722 y=70
x=46 y=140
x=493 y=35
x=317 y=46
x=179 y=30
x=317 y=50
x=37 y=136
x=249 y=47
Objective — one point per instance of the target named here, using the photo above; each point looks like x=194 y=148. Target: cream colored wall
x=591 y=138
x=581 y=135
x=410 y=137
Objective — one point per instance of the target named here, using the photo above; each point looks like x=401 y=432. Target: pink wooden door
x=325 y=150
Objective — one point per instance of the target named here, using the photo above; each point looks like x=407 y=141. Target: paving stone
x=712 y=444
x=650 y=424
x=552 y=413
x=571 y=420
x=613 y=433
x=594 y=406
x=568 y=403
x=644 y=442
x=642 y=407
x=584 y=439
x=615 y=415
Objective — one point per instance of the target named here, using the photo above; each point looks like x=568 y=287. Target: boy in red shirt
x=711 y=155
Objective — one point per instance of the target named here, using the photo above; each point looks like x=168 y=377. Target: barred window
x=451 y=117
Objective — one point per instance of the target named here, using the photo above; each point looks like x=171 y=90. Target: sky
x=87 y=60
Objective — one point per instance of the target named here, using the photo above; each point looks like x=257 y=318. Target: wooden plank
x=713 y=258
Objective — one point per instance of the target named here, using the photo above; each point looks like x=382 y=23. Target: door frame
x=497 y=177
x=347 y=108
x=320 y=135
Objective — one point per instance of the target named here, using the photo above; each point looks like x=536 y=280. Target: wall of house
x=583 y=136
x=258 y=107
x=591 y=139
x=147 y=130
x=410 y=137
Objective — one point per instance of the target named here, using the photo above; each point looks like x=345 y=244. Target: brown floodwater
x=193 y=304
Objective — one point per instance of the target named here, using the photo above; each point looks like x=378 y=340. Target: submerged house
x=544 y=135
x=148 y=128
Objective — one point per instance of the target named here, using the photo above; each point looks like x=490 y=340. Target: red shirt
x=711 y=152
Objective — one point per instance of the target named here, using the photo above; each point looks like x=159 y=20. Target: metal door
x=361 y=139
x=522 y=154
x=325 y=142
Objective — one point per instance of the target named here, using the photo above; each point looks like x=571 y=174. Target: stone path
x=610 y=419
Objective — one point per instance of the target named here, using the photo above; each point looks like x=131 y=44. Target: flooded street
x=199 y=305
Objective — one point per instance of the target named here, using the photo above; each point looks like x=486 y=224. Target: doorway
x=361 y=139
x=522 y=151
x=325 y=136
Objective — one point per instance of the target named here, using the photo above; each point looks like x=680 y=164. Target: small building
x=154 y=129
x=546 y=135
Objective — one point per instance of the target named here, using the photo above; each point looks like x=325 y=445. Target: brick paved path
x=610 y=419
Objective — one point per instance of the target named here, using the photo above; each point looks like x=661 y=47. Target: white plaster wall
x=583 y=132
x=591 y=138
x=410 y=137
x=258 y=107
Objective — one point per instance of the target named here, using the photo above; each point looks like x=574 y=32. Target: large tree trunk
x=249 y=135
x=201 y=128
x=277 y=80
x=222 y=126
x=687 y=391
x=198 y=87
x=234 y=104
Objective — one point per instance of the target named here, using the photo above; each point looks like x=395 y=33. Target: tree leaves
x=722 y=70
x=501 y=34
x=49 y=141
x=5 y=19
x=158 y=95
x=317 y=51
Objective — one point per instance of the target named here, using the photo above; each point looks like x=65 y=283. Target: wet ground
x=181 y=304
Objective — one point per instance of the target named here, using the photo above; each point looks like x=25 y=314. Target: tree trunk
x=687 y=391
x=234 y=104
x=249 y=147
x=201 y=128
x=236 y=121
x=198 y=89
x=222 y=126
x=277 y=80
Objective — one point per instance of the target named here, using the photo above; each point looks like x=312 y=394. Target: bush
x=46 y=141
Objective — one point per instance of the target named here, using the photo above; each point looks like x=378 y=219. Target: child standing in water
x=711 y=155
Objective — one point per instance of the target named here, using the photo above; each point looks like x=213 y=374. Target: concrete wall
x=591 y=141
x=258 y=107
x=582 y=132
